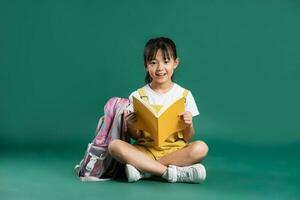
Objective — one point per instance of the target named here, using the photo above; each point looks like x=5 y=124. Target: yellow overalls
x=171 y=144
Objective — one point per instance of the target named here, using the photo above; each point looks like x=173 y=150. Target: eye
x=167 y=61
x=152 y=62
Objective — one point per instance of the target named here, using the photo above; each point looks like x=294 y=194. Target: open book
x=162 y=124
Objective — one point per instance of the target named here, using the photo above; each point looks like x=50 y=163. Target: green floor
x=234 y=171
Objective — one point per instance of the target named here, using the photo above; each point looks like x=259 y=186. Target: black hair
x=167 y=47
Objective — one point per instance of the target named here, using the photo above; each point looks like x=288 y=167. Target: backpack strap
x=143 y=95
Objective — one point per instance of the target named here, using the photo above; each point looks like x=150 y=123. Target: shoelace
x=183 y=174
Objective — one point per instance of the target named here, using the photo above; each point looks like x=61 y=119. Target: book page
x=170 y=122
x=165 y=107
x=146 y=119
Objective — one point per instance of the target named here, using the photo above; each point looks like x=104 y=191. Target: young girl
x=177 y=160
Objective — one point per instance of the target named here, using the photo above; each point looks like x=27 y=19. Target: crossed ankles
x=190 y=174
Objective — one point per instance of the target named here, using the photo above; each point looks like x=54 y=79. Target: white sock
x=146 y=175
x=165 y=175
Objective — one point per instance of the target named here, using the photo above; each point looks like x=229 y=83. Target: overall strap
x=185 y=93
x=143 y=95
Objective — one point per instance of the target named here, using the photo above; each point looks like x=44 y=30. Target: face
x=161 y=69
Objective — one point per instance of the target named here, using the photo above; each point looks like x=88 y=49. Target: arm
x=189 y=131
x=134 y=133
x=131 y=131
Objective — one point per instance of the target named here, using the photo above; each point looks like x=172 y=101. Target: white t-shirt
x=167 y=98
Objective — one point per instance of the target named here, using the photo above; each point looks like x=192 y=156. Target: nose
x=159 y=65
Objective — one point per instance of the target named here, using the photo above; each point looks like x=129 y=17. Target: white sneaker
x=190 y=174
x=133 y=174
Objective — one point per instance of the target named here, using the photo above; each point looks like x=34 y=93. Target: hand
x=130 y=118
x=187 y=117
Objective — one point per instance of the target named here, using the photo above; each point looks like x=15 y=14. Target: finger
x=189 y=121
x=131 y=114
x=129 y=118
x=181 y=114
x=132 y=118
x=185 y=117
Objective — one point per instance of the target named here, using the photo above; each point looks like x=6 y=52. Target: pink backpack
x=97 y=164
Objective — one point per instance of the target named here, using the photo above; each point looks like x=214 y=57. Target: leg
x=191 y=154
x=128 y=154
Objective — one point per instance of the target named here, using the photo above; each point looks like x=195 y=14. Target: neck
x=161 y=88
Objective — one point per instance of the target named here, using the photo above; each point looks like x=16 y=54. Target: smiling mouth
x=160 y=74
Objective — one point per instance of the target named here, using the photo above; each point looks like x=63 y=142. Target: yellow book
x=160 y=124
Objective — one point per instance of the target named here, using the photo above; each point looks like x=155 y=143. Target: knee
x=114 y=147
x=199 y=150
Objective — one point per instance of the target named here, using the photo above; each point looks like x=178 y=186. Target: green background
x=60 y=62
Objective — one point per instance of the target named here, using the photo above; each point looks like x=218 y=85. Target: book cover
x=160 y=124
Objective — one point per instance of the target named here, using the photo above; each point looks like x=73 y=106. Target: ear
x=176 y=63
x=146 y=66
